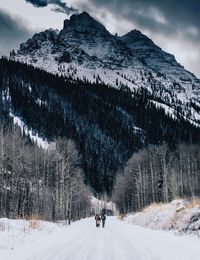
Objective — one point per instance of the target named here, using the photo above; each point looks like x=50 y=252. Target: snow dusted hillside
x=182 y=216
x=85 y=50
x=20 y=240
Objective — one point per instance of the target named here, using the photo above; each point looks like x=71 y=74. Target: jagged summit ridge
x=152 y=55
x=84 y=49
x=136 y=39
x=84 y=31
x=83 y=23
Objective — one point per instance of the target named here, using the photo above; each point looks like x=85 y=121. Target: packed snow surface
x=83 y=241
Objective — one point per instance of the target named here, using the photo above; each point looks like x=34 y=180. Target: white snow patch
x=83 y=241
x=34 y=137
x=173 y=113
x=17 y=232
x=180 y=216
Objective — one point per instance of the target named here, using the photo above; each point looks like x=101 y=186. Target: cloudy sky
x=173 y=25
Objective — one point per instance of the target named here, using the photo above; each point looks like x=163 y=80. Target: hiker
x=103 y=219
x=98 y=220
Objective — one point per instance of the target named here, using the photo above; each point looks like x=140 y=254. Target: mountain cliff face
x=85 y=50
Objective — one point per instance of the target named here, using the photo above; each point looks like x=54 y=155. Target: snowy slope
x=83 y=241
x=84 y=49
x=181 y=216
x=30 y=133
x=17 y=234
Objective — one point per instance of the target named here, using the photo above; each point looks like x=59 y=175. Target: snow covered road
x=118 y=241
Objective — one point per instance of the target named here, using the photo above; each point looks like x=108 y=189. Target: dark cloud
x=13 y=32
x=173 y=22
x=38 y=3
x=59 y=6
x=157 y=15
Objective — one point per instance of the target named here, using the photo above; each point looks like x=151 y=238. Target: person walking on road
x=98 y=220
x=103 y=219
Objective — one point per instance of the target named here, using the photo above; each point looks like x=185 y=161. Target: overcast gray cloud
x=156 y=13
x=59 y=6
x=176 y=22
x=12 y=31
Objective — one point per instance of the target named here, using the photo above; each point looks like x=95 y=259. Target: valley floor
x=83 y=241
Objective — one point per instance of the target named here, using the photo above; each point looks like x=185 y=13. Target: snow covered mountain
x=85 y=50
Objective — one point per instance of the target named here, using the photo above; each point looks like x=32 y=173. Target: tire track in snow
x=83 y=241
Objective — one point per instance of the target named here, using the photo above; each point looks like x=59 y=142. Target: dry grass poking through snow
x=193 y=203
x=21 y=231
x=31 y=222
x=180 y=215
x=153 y=206
x=34 y=222
x=4 y=227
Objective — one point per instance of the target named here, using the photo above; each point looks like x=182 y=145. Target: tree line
x=43 y=182
x=158 y=174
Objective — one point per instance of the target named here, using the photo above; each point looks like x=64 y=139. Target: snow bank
x=182 y=216
x=83 y=241
x=15 y=234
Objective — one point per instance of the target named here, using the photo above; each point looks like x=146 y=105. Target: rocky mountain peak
x=38 y=41
x=84 y=49
x=138 y=40
x=83 y=23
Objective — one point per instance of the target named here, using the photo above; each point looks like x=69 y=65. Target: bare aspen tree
x=1 y=169
x=69 y=174
x=158 y=174
x=33 y=181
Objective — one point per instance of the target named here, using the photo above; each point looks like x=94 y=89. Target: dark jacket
x=97 y=217
x=103 y=217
